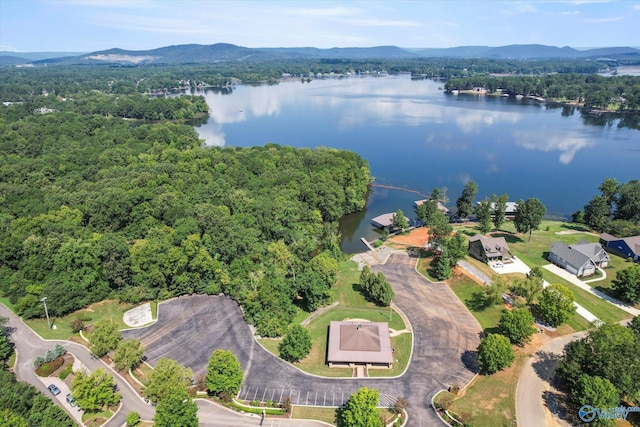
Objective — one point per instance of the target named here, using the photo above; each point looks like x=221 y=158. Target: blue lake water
x=415 y=136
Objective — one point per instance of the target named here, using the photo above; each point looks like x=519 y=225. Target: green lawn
x=490 y=400
x=328 y=415
x=352 y=305
x=472 y=296
x=535 y=252
x=7 y=303
x=316 y=361
x=108 y=309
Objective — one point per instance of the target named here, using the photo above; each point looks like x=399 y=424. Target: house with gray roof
x=574 y=261
x=489 y=249
x=626 y=247
x=359 y=343
x=594 y=251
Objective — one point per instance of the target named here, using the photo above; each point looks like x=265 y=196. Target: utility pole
x=44 y=301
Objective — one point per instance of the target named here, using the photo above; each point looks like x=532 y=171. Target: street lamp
x=44 y=301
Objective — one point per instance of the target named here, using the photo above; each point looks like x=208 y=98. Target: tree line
x=617 y=92
x=94 y=206
x=22 y=84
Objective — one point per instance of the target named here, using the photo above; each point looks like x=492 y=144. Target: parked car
x=499 y=265
x=71 y=400
x=53 y=389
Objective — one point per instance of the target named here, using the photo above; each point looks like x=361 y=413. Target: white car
x=498 y=265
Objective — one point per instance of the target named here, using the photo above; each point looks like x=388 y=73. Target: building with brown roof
x=359 y=343
x=489 y=249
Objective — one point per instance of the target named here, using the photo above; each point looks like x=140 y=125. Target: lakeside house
x=386 y=220
x=441 y=207
x=626 y=247
x=581 y=258
x=363 y=343
x=510 y=212
x=489 y=249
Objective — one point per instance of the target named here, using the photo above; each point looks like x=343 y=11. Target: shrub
x=286 y=405
x=48 y=368
x=77 y=325
x=66 y=372
x=39 y=361
x=59 y=350
x=85 y=317
x=255 y=403
x=133 y=419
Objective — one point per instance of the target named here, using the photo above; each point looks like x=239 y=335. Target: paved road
x=535 y=379
x=29 y=345
x=446 y=335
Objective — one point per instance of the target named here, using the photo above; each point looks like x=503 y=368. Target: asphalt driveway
x=189 y=329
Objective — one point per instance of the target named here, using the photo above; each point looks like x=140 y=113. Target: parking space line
x=256 y=393
x=298 y=400
x=265 y=392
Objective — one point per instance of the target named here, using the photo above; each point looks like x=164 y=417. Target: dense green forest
x=94 y=206
x=21 y=84
x=595 y=91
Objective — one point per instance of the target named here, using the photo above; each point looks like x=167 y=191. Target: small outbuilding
x=354 y=343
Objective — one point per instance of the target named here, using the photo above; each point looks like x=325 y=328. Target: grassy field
x=316 y=361
x=7 y=303
x=328 y=415
x=490 y=399
x=472 y=296
x=109 y=309
x=535 y=252
x=352 y=305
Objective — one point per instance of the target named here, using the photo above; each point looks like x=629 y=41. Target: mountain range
x=224 y=52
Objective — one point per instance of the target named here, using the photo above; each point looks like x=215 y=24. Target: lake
x=417 y=137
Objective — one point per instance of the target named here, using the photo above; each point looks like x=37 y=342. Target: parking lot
x=189 y=328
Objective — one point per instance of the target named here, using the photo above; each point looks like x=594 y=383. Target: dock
x=367 y=244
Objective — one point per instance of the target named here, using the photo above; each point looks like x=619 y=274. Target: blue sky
x=91 y=25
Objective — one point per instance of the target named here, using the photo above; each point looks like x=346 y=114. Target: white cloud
x=602 y=20
x=567 y=145
x=325 y=12
x=374 y=22
x=570 y=12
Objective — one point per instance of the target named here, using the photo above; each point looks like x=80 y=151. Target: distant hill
x=36 y=56
x=224 y=52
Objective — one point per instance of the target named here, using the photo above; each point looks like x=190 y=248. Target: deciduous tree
x=439 y=230
x=296 y=344
x=167 y=373
x=555 y=305
x=529 y=214
x=361 y=410
x=128 y=354
x=597 y=392
x=94 y=391
x=399 y=221
x=483 y=212
x=494 y=353
x=224 y=374
x=627 y=284
x=517 y=325
x=176 y=409
x=104 y=337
